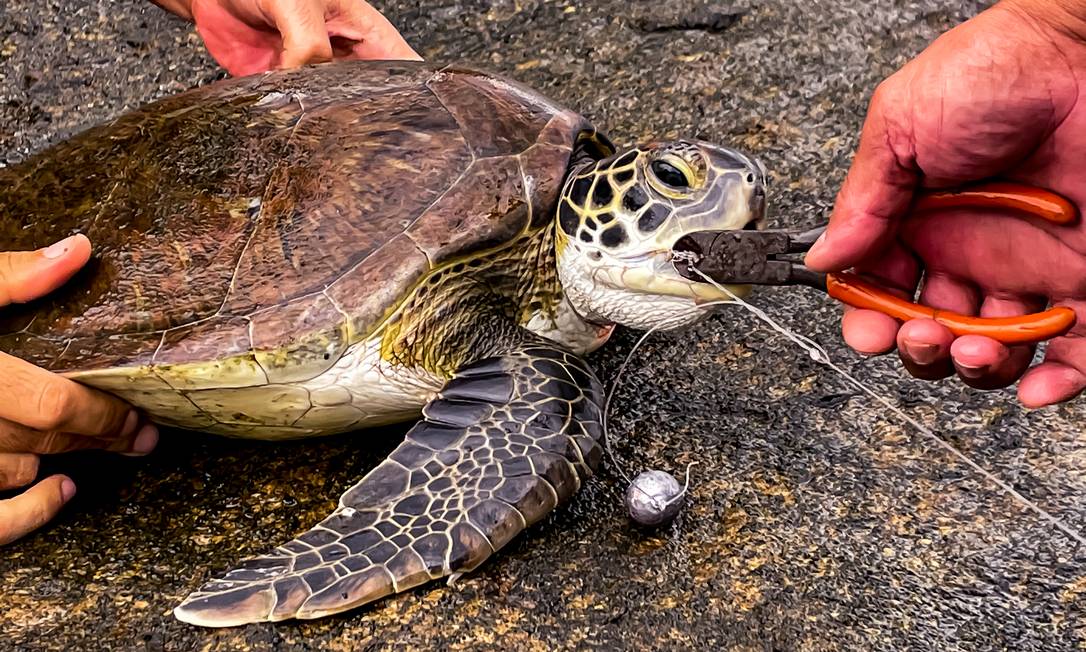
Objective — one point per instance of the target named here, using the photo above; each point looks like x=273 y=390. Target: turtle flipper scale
x=508 y=439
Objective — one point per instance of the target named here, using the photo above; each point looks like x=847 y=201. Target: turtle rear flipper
x=508 y=439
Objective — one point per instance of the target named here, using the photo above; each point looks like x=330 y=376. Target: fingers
x=41 y=412
x=45 y=413
x=979 y=361
x=34 y=508
x=17 y=470
x=374 y=36
x=27 y=275
x=923 y=344
x=243 y=43
x=305 y=37
x=1062 y=376
x=1050 y=383
x=924 y=349
x=868 y=332
x=983 y=363
x=135 y=439
x=950 y=293
x=44 y=401
x=877 y=190
x=929 y=351
x=252 y=36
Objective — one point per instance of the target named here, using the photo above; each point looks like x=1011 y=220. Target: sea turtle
x=308 y=252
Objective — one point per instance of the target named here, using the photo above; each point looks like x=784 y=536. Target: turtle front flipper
x=508 y=439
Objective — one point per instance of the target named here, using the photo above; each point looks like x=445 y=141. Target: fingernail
x=67 y=489
x=145 y=441
x=972 y=373
x=131 y=422
x=921 y=353
x=815 y=252
x=58 y=249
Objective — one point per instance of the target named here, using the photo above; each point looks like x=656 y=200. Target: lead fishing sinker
x=654 y=498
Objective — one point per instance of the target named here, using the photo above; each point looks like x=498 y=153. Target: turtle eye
x=670 y=175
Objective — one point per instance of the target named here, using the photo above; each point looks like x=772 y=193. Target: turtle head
x=620 y=218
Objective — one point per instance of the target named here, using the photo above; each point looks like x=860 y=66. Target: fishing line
x=819 y=354
x=611 y=394
x=655 y=508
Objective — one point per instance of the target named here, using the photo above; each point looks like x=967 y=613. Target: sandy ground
x=816 y=520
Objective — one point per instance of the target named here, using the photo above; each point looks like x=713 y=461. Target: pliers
x=759 y=258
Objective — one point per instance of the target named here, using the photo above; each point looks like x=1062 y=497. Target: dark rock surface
x=816 y=519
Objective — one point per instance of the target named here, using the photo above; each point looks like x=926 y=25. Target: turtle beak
x=744 y=210
x=757 y=208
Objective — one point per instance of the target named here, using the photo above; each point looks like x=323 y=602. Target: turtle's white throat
x=648 y=294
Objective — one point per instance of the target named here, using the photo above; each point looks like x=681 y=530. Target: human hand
x=253 y=36
x=998 y=96
x=42 y=413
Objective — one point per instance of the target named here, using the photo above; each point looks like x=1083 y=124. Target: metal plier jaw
x=758 y=258
x=748 y=257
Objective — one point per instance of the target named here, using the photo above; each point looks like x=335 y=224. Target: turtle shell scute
x=323 y=194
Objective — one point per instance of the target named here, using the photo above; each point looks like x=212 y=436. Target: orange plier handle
x=1024 y=329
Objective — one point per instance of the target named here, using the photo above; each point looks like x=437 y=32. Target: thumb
x=876 y=194
x=305 y=35
x=27 y=275
x=34 y=508
x=375 y=36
